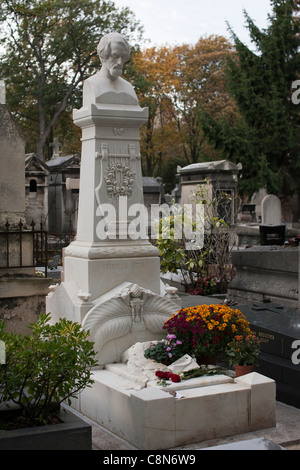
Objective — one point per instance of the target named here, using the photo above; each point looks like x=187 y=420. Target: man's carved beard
x=116 y=71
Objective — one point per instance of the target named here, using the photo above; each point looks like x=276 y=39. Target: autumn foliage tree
x=154 y=75
x=201 y=84
x=173 y=82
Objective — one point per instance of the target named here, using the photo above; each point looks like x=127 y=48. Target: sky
x=176 y=22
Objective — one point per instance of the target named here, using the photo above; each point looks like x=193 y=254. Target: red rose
x=168 y=375
x=160 y=374
x=175 y=378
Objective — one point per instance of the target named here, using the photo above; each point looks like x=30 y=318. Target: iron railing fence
x=23 y=248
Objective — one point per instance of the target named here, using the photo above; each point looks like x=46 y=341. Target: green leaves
x=175 y=230
x=266 y=135
x=53 y=364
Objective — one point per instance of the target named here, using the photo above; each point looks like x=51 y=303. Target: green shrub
x=51 y=365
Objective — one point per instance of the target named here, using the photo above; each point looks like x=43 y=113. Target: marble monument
x=111 y=280
x=111 y=285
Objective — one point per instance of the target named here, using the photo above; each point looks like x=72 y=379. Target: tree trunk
x=46 y=131
x=42 y=139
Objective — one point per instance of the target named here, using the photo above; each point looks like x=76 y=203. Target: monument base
x=98 y=276
x=206 y=408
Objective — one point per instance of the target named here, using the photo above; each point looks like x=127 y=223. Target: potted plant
x=205 y=286
x=41 y=371
x=165 y=351
x=205 y=330
x=242 y=353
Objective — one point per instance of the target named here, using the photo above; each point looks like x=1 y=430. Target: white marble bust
x=107 y=86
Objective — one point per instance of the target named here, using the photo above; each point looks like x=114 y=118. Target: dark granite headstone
x=278 y=328
x=272 y=234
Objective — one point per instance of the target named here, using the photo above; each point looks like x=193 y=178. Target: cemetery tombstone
x=12 y=169
x=22 y=294
x=2 y=352
x=271 y=210
x=36 y=191
x=272 y=231
x=111 y=271
x=2 y=92
x=218 y=179
x=278 y=328
x=63 y=202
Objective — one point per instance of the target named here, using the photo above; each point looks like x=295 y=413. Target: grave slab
x=152 y=418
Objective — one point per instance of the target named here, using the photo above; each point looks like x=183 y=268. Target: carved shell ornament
x=121 y=314
x=119 y=179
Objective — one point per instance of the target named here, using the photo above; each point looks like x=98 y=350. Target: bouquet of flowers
x=206 y=330
x=162 y=377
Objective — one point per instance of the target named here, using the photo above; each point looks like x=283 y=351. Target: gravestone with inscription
x=111 y=271
x=278 y=328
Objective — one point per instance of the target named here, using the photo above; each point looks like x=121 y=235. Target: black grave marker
x=278 y=328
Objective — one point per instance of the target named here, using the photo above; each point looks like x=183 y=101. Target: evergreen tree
x=266 y=137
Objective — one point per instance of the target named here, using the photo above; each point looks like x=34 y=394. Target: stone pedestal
x=107 y=251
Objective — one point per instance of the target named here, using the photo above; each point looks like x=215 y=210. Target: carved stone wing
x=157 y=311
x=108 y=321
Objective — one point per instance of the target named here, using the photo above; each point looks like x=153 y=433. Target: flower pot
x=71 y=433
x=207 y=360
x=166 y=362
x=243 y=370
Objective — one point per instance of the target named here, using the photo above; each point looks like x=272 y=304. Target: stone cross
x=55 y=144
